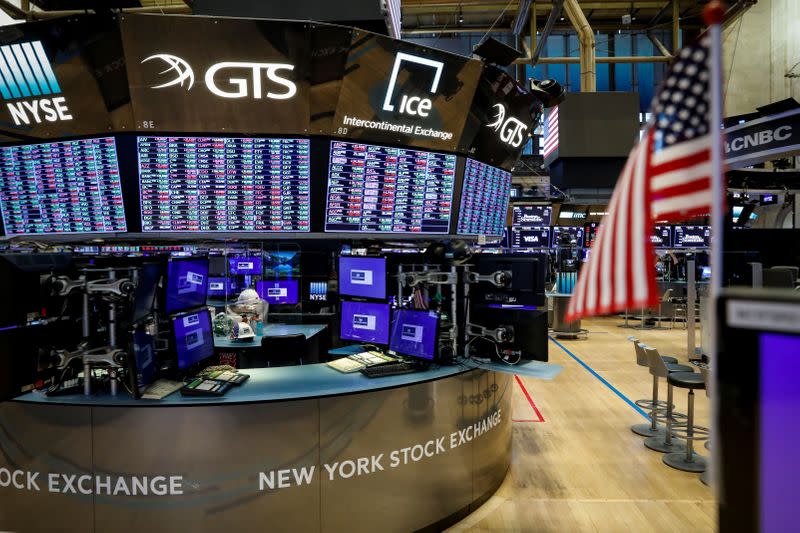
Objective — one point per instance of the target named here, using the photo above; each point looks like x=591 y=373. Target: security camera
x=550 y=92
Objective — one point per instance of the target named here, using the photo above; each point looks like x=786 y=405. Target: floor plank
x=582 y=469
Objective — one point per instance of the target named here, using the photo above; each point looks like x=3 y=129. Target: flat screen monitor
x=318 y=291
x=531 y=215
x=67 y=187
x=365 y=322
x=224 y=184
x=220 y=287
x=590 y=234
x=414 y=333
x=380 y=189
x=282 y=264
x=278 y=292
x=530 y=237
x=363 y=277
x=484 y=199
x=194 y=340
x=145 y=294
x=245 y=265
x=692 y=237
x=495 y=243
x=575 y=234
x=144 y=365
x=187 y=284
x=662 y=236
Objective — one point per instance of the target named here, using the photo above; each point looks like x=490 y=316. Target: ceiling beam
x=496 y=7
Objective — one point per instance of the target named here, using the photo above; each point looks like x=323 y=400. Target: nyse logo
x=364 y=322
x=244 y=78
x=361 y=277
x=511 y=129
x=412 y=105
x=27 y=73
x=411 y=333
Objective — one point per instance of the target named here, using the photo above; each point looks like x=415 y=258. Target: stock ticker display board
x=223 y=184
x=484 y=199
x=388 y=190
x=61 y=188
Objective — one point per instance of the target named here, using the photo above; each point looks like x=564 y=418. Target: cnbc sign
x=29 y=85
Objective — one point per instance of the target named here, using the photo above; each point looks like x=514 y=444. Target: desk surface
x=309 y=330
x=265 y=385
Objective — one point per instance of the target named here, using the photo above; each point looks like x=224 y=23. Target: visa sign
x=28 y=76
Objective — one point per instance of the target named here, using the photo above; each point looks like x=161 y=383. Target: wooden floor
x=582 y=469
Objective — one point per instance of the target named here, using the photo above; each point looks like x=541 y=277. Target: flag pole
x=713 y=15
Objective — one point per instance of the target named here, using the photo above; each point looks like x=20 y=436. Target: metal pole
x=691 y=291
x=676 y=36
x=454 y=309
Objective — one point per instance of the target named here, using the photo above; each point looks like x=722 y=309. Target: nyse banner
x=62 y=77
x=203 y=74
x=500 y=121
x=400 y=93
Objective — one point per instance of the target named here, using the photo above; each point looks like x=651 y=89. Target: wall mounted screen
x=691 y=237
x=530 y=237
x=662 y=236
x=222 y=184
x=531 y=215
x=560 y=233
x=61 y=188
x=379 y=189
x=484 y=199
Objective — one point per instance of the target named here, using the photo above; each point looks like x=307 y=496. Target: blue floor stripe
x=602 y=380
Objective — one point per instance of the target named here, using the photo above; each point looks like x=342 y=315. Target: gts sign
x=244 y=78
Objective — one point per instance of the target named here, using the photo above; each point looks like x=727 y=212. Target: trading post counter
x=300 y=448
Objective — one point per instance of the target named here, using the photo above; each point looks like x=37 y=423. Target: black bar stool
x=687 y=460
x=664 y=442
x=705 y=477
x=654 y=405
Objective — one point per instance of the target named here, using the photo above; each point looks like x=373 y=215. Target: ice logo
x=182 y=69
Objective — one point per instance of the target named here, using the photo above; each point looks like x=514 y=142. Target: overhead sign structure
x=762 y=140
x=400 y=93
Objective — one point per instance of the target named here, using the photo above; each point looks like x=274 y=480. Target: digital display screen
x=220 y=286
x=187 y=284
x=379 y=189
x=144 y=356
x=414 y=333
x=61 y=187
x=589 y=234
x=575 y=235
x=318 y=291
x=530 y=238
x=365 y=322
x=531 y=215
x=194 y=340
x=662 y=236
x=278 y=292
x=216 y=184
x=484 y=199
x=281 y=264
x=245 y=265
x=692 y=237
x=362 y=276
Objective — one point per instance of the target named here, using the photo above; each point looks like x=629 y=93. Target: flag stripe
x=681 y=177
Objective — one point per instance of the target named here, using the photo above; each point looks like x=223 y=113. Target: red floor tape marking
x=530 y=401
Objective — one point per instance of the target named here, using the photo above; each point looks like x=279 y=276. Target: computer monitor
x=65 y=187
x=414 y=334
x=363 y=277
x=282 y=264
x=220 y=287
x=142 y=365
x=705 y=273
x=365 y=322
x=527 y=280
x=278 y=292
x=661 y=236
x=318 y=291
x=245 y=265
x=590 y=234
x=194 y=339
x=217 y=265
x=692 y=237
x=531 y=215
x=187 y=284
x=575 y=234
x=145 y=294
x=530 y=237
x=530 y=330
x=484 y=199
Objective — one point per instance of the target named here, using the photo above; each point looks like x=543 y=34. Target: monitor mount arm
x=501 y=334
x=412 y=279
x=501 y=278
x=106 y=356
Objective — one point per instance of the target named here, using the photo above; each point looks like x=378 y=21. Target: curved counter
x=294 y=448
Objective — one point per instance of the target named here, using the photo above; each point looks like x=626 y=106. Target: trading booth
x=240 y=290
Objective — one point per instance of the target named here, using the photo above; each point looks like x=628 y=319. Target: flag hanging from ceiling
x=667 y=177
x=550 y=132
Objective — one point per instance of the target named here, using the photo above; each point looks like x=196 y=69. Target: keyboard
x=390 y=369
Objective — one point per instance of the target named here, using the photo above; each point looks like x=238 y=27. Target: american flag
x=667 y=177
x=550 y=132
